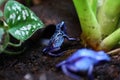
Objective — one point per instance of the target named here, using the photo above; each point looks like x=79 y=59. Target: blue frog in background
x=82 y=61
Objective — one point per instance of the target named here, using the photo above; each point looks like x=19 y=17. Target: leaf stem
x=108 y=16
x=15 y=45
x=110 y=41
x=90 y=28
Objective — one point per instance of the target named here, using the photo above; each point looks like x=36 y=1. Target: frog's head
x=102 y=56
x=61 y=26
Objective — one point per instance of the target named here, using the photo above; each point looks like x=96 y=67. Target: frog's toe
x=90 y=76
x=70 y=74
x=55 y=54
x=44 y=50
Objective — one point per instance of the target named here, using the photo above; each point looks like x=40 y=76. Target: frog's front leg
x=70 y=39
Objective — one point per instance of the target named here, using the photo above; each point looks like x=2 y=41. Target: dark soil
x=33 y=65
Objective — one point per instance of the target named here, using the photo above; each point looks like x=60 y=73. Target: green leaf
x=108 y=16
x=91 y=34
x=110 y=41
x=22 y=21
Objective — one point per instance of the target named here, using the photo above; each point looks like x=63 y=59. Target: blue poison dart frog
x=57 y=40
x=82 y=61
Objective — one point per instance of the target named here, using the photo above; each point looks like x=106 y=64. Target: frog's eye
x=103 y=56
x=101 y=52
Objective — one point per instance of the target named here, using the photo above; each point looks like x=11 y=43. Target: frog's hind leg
x=55 y=54
x=68 y=73
x=70 y=39
x=90 y=76
x=60 y=64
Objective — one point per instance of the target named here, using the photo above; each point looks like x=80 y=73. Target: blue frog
x=82 y=61
x=57 y=40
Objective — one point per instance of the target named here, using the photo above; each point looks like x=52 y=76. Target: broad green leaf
x=21 y=20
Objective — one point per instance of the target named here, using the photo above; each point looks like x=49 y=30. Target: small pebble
x=28 y=77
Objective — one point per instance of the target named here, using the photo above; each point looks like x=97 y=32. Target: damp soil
x=33 y=65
